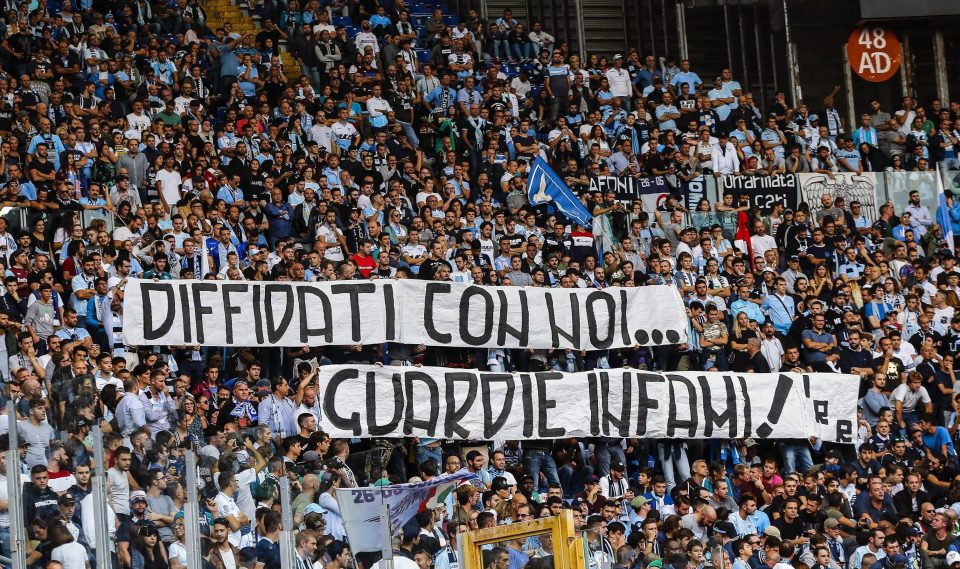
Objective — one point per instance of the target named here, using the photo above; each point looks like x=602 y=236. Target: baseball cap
x=138 y=496
x=618 y=466
x=313 y=507
x=772 y=531
x=751 y=442
x=499 y=483
x=617 y=56
x=66 y=499
x=724 y=527
x=953 y=557
x=813 y=118
x=263 y=383
x=913 y=531
x=639 y=502
x=898 y=558
x=310 y=456
x=830 y=523
x=593 y=479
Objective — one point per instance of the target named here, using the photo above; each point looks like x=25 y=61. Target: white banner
x=238 y=313
x=460 y=404
x=360 y=507
x=866 y=188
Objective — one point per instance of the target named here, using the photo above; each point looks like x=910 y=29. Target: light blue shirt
x=80 y=282
x=852 y=158
x=723 y=111
x=732 y=86
x=771 y=136
x=780 y=311
x=752 y=309
x=688 y=77
x=54 y=147
x=666 y=110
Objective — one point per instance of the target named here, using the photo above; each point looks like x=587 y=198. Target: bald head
x=30 y=387
x=311 y=481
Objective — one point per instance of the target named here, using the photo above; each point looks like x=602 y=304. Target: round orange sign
x=875 y=53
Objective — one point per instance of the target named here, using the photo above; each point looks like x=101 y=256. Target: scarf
x=244 y=409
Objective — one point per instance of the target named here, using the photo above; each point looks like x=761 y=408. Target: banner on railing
x=764 y=191
x=238 y=313
x=360 y=507
x=651 y=190
x=466 y=404
x=866 y=188
x=695 y=189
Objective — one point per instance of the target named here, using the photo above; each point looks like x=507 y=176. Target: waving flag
x=742 y=238
x=361 y=507
x=943 y=213
x=544 y=186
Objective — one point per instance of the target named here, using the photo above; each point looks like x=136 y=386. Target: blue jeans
x=5 y=542
x=501 y=49
x=717 y=359
x=796 y=454
x=673 y=466
x=522 y=50
x=411 y=134
x=537 y=461
x=604 y=453
x=426 y=453
x=573 y=481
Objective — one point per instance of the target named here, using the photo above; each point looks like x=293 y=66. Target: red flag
x=743 y=234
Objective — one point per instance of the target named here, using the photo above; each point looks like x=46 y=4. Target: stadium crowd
x=139 y=143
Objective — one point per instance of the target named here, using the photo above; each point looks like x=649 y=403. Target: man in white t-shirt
x=332 y=236
x=227 y=508
x=138 y=120
x=168 y=183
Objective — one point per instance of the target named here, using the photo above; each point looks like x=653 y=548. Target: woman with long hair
x=598 y=137
x=892 y=295
x=148 y=549
x=192 y=423
x=822 y=283
x=742 y=332
x=702 y=216
x=39 y=241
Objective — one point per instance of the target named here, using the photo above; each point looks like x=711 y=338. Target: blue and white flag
x=544 y=186
x=360 y=508
x=943 y=213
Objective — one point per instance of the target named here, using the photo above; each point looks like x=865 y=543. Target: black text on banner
x=371 y=401
x=414 y=312
x=629 y=188
x=764 y=191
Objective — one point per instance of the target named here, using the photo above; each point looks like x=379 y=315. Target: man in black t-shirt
x=790 y=525
x=41 y=170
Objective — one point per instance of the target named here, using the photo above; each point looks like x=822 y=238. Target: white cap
x=953 y=557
